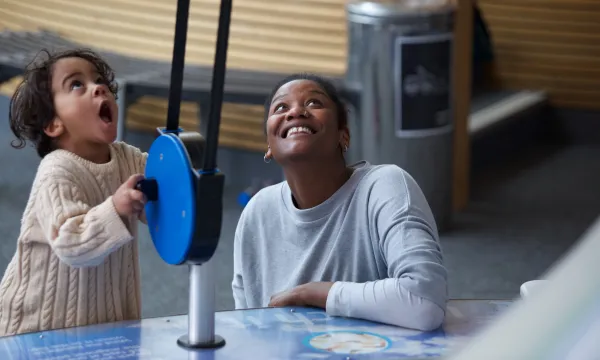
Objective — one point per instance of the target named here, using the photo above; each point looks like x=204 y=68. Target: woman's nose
x=296 y=112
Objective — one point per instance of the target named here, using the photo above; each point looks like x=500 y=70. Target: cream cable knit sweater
x=76 y=261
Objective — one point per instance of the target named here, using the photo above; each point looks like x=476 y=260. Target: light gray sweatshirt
x=375 y=238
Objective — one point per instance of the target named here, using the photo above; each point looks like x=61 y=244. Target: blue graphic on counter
x=348 y=342
x=274 y=333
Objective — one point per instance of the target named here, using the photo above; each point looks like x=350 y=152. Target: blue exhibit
x=171 y=219
x=185 y=188
x=272 y=333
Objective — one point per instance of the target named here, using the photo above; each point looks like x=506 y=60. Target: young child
x=77 y=253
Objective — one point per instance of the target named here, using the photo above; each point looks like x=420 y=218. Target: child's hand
x=142 y=217
x=129 y=201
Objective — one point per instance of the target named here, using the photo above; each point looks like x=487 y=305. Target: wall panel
x=283 y=36
x=552 y=45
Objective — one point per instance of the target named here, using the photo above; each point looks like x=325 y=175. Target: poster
x=423 y=84
x=274 y=333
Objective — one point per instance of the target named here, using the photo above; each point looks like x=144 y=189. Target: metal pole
x=201 y=317
x=122 y=103
x=201 y=355
x=202 y=304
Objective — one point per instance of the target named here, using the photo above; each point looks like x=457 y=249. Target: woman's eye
x=76 y=84
x=313 y=103
x=279 y=108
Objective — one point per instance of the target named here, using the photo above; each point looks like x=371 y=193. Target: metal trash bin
x=400 y=55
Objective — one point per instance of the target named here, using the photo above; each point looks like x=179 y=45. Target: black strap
x=218 y=78
x=177 y=65
x=218 y=84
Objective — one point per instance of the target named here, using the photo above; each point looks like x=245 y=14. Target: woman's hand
x=312 y=294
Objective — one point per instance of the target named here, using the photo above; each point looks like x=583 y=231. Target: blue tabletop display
x=274 y=333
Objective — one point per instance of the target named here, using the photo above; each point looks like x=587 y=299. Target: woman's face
x=303 y=124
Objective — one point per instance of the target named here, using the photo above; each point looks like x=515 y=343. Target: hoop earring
x=266 y=159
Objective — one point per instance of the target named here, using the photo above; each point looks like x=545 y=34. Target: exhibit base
x=273 y=333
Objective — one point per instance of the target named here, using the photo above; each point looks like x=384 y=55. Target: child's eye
x=313 y=102
x=76 y=84
x=279 y=107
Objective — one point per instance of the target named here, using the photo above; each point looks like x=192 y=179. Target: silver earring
x=267 y=160
x=345 y=148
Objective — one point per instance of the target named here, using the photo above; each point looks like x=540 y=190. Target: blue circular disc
x=172 y=217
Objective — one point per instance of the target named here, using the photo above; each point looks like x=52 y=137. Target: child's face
x=86 y=110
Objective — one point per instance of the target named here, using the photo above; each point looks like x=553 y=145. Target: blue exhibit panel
x=274 y=333
x=171 y=219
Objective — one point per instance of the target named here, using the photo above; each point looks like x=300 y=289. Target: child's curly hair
x=32 y=105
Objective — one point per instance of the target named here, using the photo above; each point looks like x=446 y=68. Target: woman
x=359 y=241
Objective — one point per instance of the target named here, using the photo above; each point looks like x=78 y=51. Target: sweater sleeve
x=135 y=157
x=140 y=161
x=80 y=235
x=137 y=160
x=415 y=293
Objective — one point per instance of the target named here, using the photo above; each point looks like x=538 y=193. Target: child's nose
x=99 y=90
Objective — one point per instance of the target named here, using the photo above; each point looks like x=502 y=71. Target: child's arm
x=136 y=160
x=79 y=234
x=135 y=157
x=139 y=159
x=141 y=169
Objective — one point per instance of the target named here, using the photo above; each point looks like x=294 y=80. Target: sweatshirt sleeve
x=79 y=234
x=415 y=292
x=237 y=285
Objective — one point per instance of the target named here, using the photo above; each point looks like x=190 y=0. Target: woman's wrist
x=315 y=294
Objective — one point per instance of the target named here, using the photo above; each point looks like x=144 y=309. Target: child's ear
x=55 y=129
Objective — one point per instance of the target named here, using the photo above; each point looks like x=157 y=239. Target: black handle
x=149 y=187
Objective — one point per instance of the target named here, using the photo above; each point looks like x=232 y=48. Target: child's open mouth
x=105 y=113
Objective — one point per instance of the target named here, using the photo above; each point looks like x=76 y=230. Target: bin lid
x=399 y=8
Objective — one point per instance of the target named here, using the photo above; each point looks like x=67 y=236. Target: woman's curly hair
x=31 y=107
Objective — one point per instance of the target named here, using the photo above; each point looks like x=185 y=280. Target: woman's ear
x=55 y=129
x=345 y=137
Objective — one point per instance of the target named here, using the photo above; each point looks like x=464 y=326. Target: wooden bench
x=140 y=77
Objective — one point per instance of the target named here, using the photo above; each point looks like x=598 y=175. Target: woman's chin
x=298 y=157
